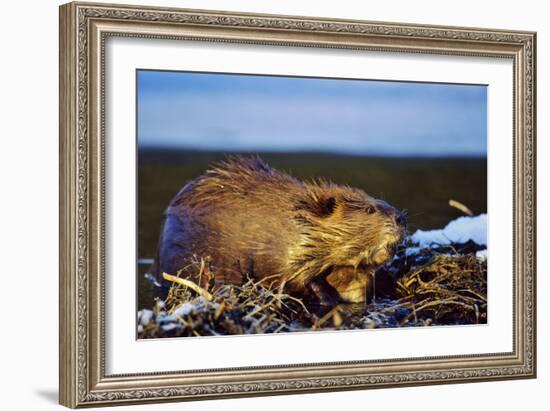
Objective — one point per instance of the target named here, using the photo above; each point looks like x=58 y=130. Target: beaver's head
x=345 y=227
x=370 y=228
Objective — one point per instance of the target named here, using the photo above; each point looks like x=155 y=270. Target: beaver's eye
x=370 y=210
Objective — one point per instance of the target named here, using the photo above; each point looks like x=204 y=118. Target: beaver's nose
x=402 y=218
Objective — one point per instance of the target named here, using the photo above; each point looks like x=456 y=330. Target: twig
x=190 y=284
x=459 y=206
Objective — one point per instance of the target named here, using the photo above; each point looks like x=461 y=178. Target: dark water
x=423 y=186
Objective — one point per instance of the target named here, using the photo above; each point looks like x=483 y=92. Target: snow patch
x=145 y=316
x=460 y=230
x=412 y=251
x=185 y=309
x=170 y=326
x=482 y=255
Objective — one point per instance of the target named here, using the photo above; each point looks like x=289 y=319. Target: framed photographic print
x=259 y=204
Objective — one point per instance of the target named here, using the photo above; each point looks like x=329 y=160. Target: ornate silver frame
x=83 y=30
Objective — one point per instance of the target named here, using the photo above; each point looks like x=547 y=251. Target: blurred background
x=415 y=145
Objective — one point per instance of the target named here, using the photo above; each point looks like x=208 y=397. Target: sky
x=233 y=112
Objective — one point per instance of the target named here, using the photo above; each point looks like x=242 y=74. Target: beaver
x=252 y=221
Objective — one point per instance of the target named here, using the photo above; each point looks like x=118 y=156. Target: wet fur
x=255 y=221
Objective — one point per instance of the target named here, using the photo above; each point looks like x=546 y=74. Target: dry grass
x=432 y=286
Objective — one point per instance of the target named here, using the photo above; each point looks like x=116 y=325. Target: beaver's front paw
x=351 y=285
x=322 y=294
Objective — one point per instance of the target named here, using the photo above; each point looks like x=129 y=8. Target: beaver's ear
x=327 y=206
x=320 y=206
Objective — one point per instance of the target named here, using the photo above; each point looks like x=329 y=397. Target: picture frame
x=85 y=29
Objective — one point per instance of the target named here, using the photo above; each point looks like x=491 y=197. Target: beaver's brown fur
x=253 y=221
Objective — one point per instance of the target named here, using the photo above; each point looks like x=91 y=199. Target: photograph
x=275 y=204
x=261 y=202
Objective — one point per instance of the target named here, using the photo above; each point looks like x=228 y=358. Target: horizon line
x=308 y=151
